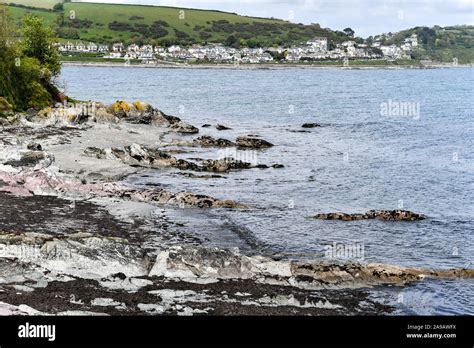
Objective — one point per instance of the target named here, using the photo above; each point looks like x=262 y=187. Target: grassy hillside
x=108 y=23
x=151 y=24
x=441 y=43
x=17 y=13
x=48 y=4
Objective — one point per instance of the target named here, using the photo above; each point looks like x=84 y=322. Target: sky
x=366 y=17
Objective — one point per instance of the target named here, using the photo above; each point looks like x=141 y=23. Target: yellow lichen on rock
x=139 y=106
x=120 y=106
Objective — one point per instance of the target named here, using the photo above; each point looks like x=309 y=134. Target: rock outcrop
x=137 y=155
x=120 y=111
x=30 y=159
x=387 y=215
x=252 y=142
x=211 y=265
x=40 y=182
x=208 y=141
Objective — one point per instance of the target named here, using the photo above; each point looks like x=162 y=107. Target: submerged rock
x=278 y=166
x=221 y=127
x=310 y=125
x=387 y=215
x=252 y=142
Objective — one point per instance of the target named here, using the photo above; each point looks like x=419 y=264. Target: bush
x=69 y=33
x=31 y=85
x=27 y=66
x=118 y=26
x=38 y=43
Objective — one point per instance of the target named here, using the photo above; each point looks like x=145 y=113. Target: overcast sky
x=366 y=17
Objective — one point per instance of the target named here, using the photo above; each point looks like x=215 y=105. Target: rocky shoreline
x=75 y=239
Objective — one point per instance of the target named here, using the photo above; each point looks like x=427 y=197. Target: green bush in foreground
x=27 y=66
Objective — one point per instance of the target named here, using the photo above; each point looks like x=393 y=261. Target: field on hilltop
x=48 y=4
x=17 y=14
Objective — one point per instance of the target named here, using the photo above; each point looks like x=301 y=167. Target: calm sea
x=389 y=139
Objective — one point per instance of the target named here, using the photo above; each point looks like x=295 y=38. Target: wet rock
x=209 y=265
x=205 y=176
x=221 y=127
x=278 y=166
x=137 y=155
x=387 y=215
x=34 y=147
x=224 y=165
x=208 y=141
x=184 y=128
x=206 y=125
x=310 y=125
x=30 y=159
x=252 y=142
x=395 y=215
x=92 y=151
x=141 y=156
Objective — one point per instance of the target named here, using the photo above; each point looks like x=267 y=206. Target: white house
x=92 y=47
x=318 y=44
x=118 y=47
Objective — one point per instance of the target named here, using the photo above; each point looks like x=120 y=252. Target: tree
x=232 y=41
x=59 y=7
x=38 y=42
x=8 y=54
x=26 y=69
x=349 y=32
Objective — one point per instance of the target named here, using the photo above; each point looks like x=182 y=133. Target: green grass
x=90 y=59
x=195 y=23
x=92 y=23
x=103 y=14
x=17 y=14
x=48 y=4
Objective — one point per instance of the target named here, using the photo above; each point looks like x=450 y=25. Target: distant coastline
x=260 y=66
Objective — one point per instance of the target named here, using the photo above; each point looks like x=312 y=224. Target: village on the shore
x=316 y=49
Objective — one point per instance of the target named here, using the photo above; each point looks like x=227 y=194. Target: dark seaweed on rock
x=386 y=215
